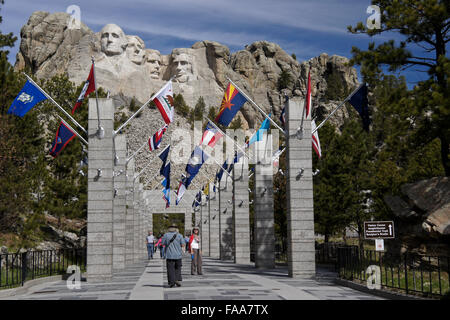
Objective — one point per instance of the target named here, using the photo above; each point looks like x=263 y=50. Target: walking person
x=150 y=240
x=196 y=252
x=159 y=245
x=174 y=243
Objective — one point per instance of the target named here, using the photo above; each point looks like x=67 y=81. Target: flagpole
x=142 y=107
x=54 y=102
x=99 y=128
x=77 y=134
x=235 y=143
x=338 y=107
x=136 y=152
x=248 y=98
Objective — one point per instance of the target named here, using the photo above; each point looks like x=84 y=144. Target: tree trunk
x=327 y=237
x=445 y=153
x=344 y=236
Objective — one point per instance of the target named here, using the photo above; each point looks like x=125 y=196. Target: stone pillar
x=188 y=221
x=300 y=204
x=137 y=209
x=119 y=203
x=129 y=221
x=241 y=212
x=100 y=193
x=264 y=231
x=142 y=233
x=206 y=226
x=214 y=223
x=226 y=217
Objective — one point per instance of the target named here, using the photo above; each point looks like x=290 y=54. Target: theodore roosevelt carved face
x=113 y=40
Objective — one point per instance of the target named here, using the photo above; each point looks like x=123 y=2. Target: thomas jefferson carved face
x=135 y=49
x=154 y=63
x=182 y=67
x=113 y=40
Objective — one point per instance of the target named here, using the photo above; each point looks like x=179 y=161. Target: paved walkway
x=221 y=280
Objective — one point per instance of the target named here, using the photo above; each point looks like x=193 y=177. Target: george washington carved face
x=113 y=40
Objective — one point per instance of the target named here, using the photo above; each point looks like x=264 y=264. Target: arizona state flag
x=89 y=87
x=63 y=137
x=232 y=101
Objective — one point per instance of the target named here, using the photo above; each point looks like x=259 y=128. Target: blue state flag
x=27 y=98
x=198 y=158
x=220 y=173
x=360 y=102
x=163 y=156
x=166 y=174
x=260 y=133
x=63 y=137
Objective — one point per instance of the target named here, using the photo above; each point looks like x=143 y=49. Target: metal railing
x=17 y=268
x=409 y=273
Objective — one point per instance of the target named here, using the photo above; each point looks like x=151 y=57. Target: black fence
x=408 y=273
x=17 y=268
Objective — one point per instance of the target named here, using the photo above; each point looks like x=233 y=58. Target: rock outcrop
x=423 y=215
x=124 y=66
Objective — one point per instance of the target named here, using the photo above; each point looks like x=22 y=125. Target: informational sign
x=379 y=244
x=379 y=230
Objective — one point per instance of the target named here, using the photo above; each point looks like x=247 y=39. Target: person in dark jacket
x=174 y=247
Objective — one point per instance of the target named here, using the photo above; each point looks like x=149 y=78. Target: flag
x=27 y=98
x=282 y=116
x=232 y=101
x=206 y=190
x=155 y=141
x=260 y=133
x=211 y=135
x=308 y=103
x=164 y=103
x=315 y=139
x=198 y=157
x=220 y=173
x=197 y=200
x=361 y=104
x=89 y=86
x=237 y=156
x=63 y=137
x=181 y=190
x=163 y=156
x=166 y=197
x=166 y=175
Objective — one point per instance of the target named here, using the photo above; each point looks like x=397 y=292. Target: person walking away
x=174 y=243
x=194 y=245
x=186 y=240
x=150 y=244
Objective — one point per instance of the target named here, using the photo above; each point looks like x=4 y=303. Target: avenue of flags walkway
x=221 y=280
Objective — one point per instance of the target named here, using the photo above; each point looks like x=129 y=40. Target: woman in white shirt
x=194 y=246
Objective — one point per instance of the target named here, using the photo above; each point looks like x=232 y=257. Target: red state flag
x=89 y=87
x=308 y=96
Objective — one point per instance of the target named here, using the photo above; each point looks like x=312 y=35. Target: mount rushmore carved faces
x=113 y=40
x=153 y=63
x=182 y=67
x=135 y=49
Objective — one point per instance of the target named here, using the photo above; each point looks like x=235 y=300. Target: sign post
x=379 y=230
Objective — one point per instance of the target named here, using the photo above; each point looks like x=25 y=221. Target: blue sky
x=304 y=27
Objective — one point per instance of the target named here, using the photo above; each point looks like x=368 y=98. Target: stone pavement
x=221 y=280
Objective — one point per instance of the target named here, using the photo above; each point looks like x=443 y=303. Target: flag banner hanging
x=283 y=117
x=221 y=171
x=63 y=137
x=27 y=98
x=166 y=197
x=89 y=86
x=232 y=101
x=315 y=140
x=198 y=157
x=258 y=136
x=308 y=103
x=211 y=135
x=361 y=104
x=181 y=190
x=198 y=199
x=166 y=175
x=164 y=103
x=163 y=156
x=237 y=156
x=155 y=141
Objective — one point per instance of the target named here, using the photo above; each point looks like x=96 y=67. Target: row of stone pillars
x=120 y=211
